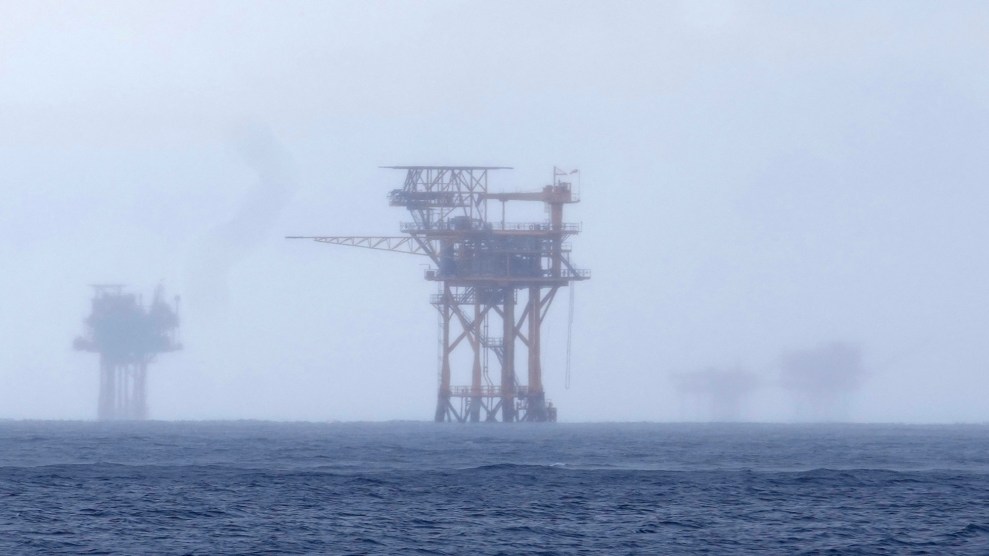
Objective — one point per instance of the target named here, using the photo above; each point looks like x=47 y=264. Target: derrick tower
x=128 y=336
x=493 y=275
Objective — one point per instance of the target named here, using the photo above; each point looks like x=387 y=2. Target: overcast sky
x=757 y=178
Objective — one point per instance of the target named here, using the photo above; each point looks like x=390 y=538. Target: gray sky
x=757 y=178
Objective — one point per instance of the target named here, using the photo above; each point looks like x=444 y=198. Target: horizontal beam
x=447 y=167
x=398 y=244
x=534 y=196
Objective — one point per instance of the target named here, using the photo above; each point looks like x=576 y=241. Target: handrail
x=466 y=299
x=445 y=226
x=487 y=391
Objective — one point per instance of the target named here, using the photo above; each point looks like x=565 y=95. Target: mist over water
x=758 y=183
x=231 y=240
x=715 y=394
x=822 y=378
x=781 y=350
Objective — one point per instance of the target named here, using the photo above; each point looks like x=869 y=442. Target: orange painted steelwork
x=482 y=268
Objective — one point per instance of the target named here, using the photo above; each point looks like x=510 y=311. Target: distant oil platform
x=483 y=265
x=715 y=393
x=128 y=336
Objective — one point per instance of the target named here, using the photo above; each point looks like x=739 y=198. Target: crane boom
x=399 y=244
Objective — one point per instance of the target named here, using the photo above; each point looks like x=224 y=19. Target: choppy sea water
x=270 y=488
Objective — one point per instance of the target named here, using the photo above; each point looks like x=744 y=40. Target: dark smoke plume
x=230 y=241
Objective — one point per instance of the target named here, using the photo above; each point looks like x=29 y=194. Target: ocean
x=421 y=488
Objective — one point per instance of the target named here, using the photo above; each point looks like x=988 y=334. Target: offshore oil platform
x=128 y=336
x=491 y=274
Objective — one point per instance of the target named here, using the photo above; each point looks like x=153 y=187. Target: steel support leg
x=108 y=391
x=443 y=397
x=475 y=381
x=537 y=399
x=508 y=359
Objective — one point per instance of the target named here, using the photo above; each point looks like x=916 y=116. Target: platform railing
x=487 y=391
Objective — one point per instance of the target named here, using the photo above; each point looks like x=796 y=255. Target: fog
x=758 y=180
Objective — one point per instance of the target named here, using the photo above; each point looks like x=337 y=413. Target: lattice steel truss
x=490 y=274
